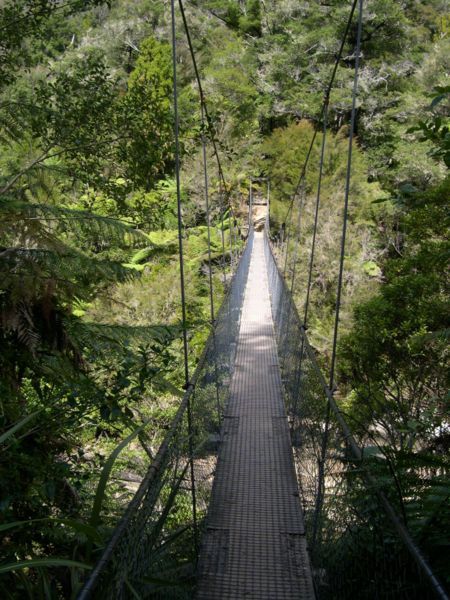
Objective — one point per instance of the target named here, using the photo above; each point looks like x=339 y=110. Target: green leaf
x=438 y=99
x=10 y=432
x=134 y=267
x=42 y=562
x=132 y=590
x=87 y=530
x=371 y=268
x=106 y=472
x=13 y=524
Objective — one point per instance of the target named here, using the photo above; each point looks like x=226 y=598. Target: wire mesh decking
x=254 y=545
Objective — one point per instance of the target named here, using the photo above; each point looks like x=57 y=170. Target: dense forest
x=90 y=331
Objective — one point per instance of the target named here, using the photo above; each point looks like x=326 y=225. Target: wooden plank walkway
x=254 y=546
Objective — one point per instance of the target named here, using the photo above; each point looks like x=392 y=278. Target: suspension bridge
x=259 y=489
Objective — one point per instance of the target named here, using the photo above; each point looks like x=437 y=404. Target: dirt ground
x=259 y=217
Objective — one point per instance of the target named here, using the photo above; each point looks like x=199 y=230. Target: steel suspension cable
x=347 y=193
x=210 y=278
x=181 y=263
x=302 y=178
x=324 y=448
x=324 y=108
x=313 y=246
x=316 y=215
x=294 y=265
x=327 y=93
x=297 y=243
x=200 y=90
x=203 y=102
x=230 y=227
x=208 y=217
x=206 y=119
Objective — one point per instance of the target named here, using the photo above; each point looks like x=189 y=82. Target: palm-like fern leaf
x=58 y=220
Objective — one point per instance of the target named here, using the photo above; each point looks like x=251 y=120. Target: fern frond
x=32 y=269
x=12 y=128
x=44 y=188
x=88 y=334
x=81 y=224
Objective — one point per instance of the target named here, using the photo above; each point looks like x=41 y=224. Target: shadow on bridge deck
x=254 y=546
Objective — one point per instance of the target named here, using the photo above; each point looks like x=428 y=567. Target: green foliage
x=398 y=366
x=234 y=96
x=106 y=473
x=147 y=210
x=145 y=115
x=89 y=288
x=23 y=21
x=436 y=129
x=285 y=151
x=395 y=361
x=251 y=22
x=75 y=173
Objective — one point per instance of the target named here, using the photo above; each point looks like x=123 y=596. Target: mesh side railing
x=152 y=552
x=359 y=546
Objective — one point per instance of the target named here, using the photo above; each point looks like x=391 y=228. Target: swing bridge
x=260 y=490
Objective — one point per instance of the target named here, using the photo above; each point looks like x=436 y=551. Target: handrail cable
x=181 y=262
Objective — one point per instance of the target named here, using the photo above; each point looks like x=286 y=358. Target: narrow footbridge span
x=254 y=545
x=259 y=489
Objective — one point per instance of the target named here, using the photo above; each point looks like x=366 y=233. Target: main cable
x=182 y=278
x=202 y=94
x=325 y=103
x=324 y=447
x=316 y=216
x=223 y=184
x=347 y=194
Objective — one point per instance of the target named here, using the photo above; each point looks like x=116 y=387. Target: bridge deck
x=254 y=546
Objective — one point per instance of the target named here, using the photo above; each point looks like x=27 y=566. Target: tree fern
x=17 y=214
x=12 y=127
